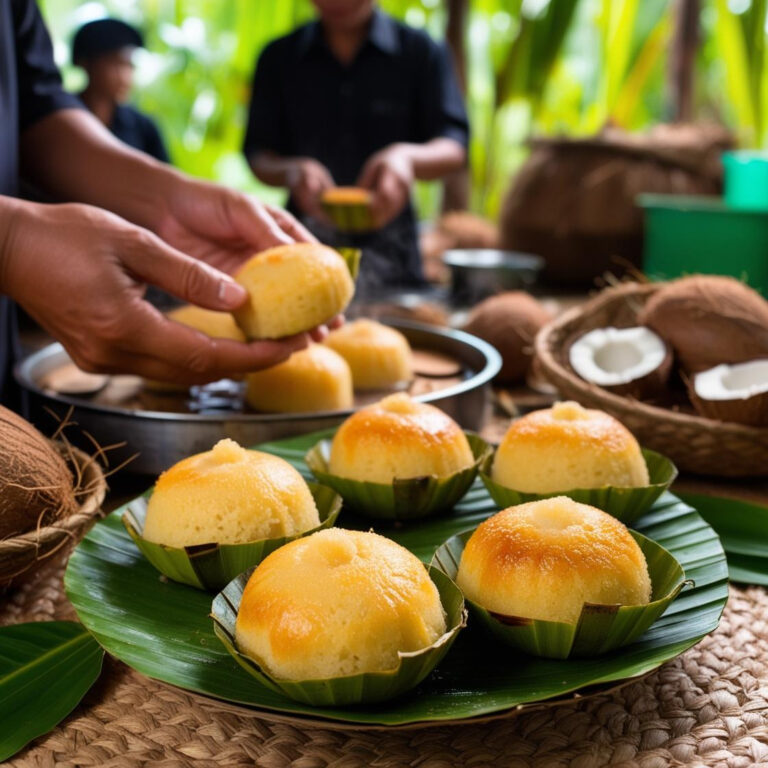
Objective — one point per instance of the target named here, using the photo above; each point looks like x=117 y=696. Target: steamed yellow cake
x=217 y=325
x=379 y=356
x=292 y=288
x=399 y=438
x=567 y=447
x=337 y=603
x=346 y=196
x=229 y=495
x=545 y=559
x=314 y=379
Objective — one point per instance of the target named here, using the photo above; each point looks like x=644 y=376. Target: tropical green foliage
x=45 y=669
x=551 y=66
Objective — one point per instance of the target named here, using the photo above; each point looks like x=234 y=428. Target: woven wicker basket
x=695 y=444
x=21 y=555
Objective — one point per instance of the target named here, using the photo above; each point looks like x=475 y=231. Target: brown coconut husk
x=36 y=487
x=709 y=320
x=573 y=202
x=509 y=322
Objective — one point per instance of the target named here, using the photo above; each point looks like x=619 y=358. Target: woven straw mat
x=709 y=707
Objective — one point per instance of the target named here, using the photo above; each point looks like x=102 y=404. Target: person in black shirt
x=104 y=49
x=356 y=98
x=81 y=271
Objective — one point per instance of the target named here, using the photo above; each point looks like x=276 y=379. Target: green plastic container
x=685 y=235
x=746 y=180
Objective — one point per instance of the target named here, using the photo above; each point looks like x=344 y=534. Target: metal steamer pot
x=477 y=273
x=163 y=438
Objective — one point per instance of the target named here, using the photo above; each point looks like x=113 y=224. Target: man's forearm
x=73 y=157
x=273 y=169
x=435 y=158
x=10 y=208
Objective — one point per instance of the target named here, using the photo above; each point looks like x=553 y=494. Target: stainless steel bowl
x=162 y=438
x=477 y=273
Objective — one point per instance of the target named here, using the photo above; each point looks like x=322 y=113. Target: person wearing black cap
x=104 y=49
x=81 y=268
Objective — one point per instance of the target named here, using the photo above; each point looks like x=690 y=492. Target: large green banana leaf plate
x=743 y=530
x=163 y=629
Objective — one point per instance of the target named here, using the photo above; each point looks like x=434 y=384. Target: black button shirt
x=138 y=131
x=400 y=87
x=30 y=89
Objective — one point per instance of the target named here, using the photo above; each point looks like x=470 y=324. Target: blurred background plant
x=547 y=67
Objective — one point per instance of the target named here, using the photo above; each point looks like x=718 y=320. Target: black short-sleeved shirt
x=401 y=87
x=30 y=89
x=138 y=131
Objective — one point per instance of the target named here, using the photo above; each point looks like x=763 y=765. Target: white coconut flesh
x=612 y=356
x=733 y=382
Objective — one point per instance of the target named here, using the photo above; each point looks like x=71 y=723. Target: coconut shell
x=648 y=387
x=36 y=487
x=509 y=322
x=709 y=320
x=753 y=411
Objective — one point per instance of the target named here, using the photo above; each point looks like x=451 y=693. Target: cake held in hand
x=229 y=495
x=399 y=438
x=217 y=325
x=379 y=356
x=314 y=379
x=348 y=208
x=568 y=447
x=337 y=603
x=346 y=196
x=545 y=559
x=292 y=288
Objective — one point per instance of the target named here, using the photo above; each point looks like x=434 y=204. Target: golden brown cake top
x=570 y=423
x=338 y=602
x=347 y=196
x=398 y=418
x=545 y=559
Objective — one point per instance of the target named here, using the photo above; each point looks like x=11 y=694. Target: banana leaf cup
x=367 y=687
x=625 y=504
x=349 y=209
x=213 y=566
x=352 y=257
x=407 y=499
x=600 y=628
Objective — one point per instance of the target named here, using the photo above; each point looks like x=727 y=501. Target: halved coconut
x=627 y=361
x=733 y=393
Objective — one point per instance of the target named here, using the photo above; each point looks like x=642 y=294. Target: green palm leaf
x=163 y=630
x=45 y=669
x=743 y=530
